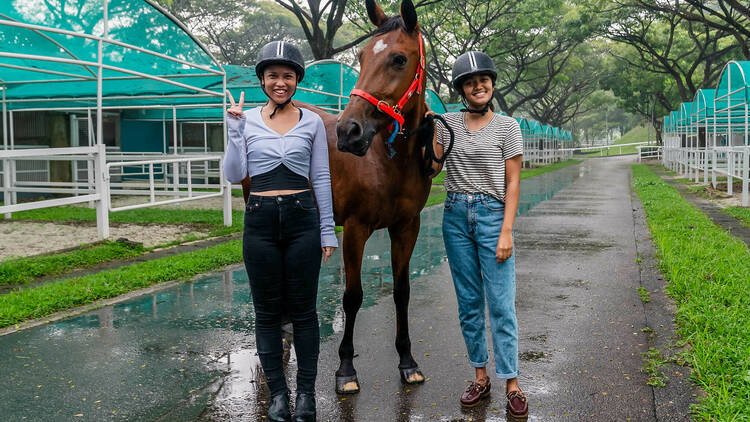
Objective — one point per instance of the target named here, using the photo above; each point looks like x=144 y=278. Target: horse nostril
x=353 y=129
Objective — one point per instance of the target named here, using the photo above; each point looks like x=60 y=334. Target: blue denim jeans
x=471 y=228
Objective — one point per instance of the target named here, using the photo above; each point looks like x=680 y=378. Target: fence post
x=6 y=163
x=730 y=172
x=102 y=187
x=714 y=159
x=745 y=176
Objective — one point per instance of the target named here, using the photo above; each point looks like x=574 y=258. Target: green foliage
x=653 y=363
x=235 y=30
x=25 y=304
x=708 y=272
x=644 y=295
x=22 y=270
x=212 y=219
x=526 y=173
x=740 y=213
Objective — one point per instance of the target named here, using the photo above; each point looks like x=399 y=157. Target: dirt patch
x=24 y=238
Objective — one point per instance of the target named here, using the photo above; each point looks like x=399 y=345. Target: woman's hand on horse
x=327 y=252
x=504 y=246
x=429 y=113
x=236 y=109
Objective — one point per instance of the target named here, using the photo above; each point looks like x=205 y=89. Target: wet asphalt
x=581 y=323
x=187 y=353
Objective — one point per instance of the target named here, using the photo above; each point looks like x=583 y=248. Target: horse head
x=391 y=70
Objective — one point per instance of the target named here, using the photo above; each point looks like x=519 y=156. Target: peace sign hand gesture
x=236 y=109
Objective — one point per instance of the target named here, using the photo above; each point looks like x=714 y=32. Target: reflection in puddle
x=187 y=352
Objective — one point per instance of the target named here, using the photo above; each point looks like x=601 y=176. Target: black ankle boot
x=278 y=410
x=304 y=407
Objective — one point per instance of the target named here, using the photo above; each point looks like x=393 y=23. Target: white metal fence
x=94 y=180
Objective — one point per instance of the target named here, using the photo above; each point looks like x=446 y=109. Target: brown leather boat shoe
x=475 y=392
x=517 y=406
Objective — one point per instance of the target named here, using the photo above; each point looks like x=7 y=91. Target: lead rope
x=426 y=141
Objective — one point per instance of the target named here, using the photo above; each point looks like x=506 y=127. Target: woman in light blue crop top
x=283 y=150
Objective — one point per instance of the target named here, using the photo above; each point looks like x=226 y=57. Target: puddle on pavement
x=187 y=352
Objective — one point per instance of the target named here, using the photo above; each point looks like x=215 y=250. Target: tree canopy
x=559 y=61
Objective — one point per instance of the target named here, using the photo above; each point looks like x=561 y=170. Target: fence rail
x=177 y=176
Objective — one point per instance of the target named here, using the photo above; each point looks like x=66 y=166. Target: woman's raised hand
x=236 y=109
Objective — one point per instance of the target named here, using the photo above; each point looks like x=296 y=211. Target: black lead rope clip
x=426 y=141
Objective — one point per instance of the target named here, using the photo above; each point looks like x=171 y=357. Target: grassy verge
x=708 y=278
x=526 y=173
x=23 y=270
x=437 y=194
x=636 y=134
x=740 y=213
x=213 y=220
x=21 y=305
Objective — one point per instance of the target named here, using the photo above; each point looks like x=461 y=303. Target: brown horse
x=371 y=189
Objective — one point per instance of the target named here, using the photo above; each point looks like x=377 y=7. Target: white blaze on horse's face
x=379 y=46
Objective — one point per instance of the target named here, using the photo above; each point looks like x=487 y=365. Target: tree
x=235 y=30
x=530 y=42
x=692 y=54
x=570 y=93
x=320 y=22
x=729 y=16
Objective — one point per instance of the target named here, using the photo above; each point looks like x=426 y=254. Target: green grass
x=644 y=294
x=526 y=173
x=210 y=219
x=435 y=198
x=653 y=363
x=23 y=270
x=740 y=213
x=439 y=179
x=25 y=304
x=708 y=278
x=636 y=134
x=438 y=194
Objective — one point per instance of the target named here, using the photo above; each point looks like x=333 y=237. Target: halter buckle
x=383 y=106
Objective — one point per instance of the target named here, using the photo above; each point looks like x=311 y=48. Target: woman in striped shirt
x=483 y=183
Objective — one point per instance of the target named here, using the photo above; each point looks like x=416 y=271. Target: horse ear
x=408 y=15
x=375 y=13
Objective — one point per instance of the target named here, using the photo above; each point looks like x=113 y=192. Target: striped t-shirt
x=477 y=162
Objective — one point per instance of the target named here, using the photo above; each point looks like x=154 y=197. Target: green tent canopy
x=684 y=119
x=49 y=55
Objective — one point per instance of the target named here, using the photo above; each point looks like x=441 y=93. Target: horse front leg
x=403 y=239
x=355 y=236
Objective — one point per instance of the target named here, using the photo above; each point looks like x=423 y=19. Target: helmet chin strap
x=481 y=111
x=278 y=107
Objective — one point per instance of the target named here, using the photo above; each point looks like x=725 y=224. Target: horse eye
x=399 y=60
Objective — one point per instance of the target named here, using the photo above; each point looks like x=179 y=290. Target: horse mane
x=391 y=24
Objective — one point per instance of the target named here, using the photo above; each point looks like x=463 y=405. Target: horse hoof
x=347 y=385
x=411 y=375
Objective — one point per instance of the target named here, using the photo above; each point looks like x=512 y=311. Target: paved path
x=580 y=316
x=187 y=352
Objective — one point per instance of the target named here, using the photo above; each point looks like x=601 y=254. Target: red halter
x=416 y=86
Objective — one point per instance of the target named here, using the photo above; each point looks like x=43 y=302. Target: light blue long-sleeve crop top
x=254 y=148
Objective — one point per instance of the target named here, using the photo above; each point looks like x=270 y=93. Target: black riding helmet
x=279 y=52
x=468 y=64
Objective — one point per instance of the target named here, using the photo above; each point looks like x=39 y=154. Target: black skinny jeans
x=281 y=248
